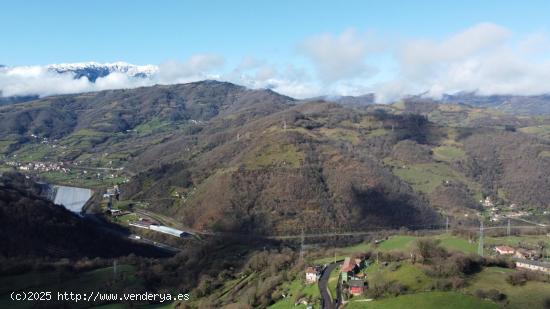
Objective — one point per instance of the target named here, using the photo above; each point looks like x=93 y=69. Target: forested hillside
x=31 y=226
x=216 y=156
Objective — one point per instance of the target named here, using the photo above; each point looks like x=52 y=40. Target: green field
x=430 y=300
x=404 y=272
x=541 y=130
x=341 y=134
x=284 y=155
x=295 y=288
x=450 y=242
x=449 y=153
x=35 y=152
x=397 y=243
x=515 y=241
x=530 y=295
x=407 y=243
x=153 y=126
x=400 y=242
x=425 y=177
x=75 y=179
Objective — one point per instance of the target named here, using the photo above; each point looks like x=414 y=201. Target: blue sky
x=273 y=33
x=42 y=32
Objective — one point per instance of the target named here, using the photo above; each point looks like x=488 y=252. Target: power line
x=480 y=247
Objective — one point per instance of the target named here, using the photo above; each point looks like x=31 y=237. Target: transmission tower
x=302 y=246
x=480 y=248
x=508 y=228
x=447 y=226
x=284 y=125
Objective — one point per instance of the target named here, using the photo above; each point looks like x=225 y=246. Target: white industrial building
x=168 y=230
x=146 y=224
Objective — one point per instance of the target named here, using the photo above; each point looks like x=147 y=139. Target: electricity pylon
x=480 y=247
x=302 y=246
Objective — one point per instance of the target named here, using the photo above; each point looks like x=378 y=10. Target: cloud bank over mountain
x=485 y=58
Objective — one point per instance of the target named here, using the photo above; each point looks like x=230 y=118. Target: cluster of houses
x=524 y=258
x=39 y=166
x=497 y=213
x=351 y=275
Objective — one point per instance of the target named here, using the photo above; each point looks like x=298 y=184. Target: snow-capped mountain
x=95 y=70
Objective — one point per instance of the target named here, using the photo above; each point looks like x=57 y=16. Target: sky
x=299 y=48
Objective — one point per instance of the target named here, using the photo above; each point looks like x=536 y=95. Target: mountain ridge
x=219 y=156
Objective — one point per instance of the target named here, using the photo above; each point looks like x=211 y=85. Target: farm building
x=168 y=230
x=505 y=250
x=533 y=265
x=356 y=286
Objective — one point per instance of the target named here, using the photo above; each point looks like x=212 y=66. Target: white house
x=504 y=250
x=312 y=275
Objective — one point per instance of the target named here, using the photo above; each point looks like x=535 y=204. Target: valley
x=271 y=185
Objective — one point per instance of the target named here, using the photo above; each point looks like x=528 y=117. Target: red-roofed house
x=348 y=268
x=348 y=265
x=356 y=287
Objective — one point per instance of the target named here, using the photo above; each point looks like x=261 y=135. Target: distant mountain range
x=95 y=70
x=512 y=104
x=218 y=156
x=365 y=99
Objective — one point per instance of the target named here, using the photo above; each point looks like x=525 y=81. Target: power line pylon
x=480 y=247
x=302 y=246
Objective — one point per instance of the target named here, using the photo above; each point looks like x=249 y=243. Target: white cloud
x=534 y=44
x=39 y=80
x=34 y=80
x=485 y=58
x=339 y=57
x=197 y=67
x=288 y=80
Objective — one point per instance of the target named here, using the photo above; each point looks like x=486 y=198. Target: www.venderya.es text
x=96 y=296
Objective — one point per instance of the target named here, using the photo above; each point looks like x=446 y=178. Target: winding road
x=327 y=300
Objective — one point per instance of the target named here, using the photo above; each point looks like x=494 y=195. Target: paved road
x=327 y=301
